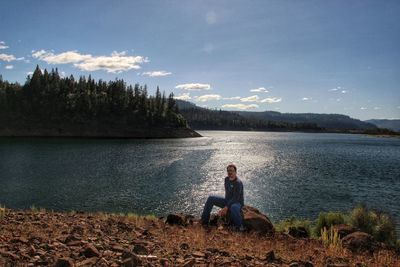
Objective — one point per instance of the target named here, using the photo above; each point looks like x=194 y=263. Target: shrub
x=362 y=219
x=327 y=219
x=385 y=230
x=376 y=223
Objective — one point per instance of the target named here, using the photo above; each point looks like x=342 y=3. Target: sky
x=288 y=56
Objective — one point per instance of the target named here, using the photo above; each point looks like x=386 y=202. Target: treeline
x=212 y=119
x=47 y=99
x=207 y=119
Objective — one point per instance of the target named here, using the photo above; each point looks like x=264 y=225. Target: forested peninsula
x=49 y=105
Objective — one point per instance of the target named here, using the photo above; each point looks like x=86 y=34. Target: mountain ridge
x=204 y=118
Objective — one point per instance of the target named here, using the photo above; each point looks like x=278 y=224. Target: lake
x=284 y=174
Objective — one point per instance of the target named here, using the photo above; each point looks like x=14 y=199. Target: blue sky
x=288 y=56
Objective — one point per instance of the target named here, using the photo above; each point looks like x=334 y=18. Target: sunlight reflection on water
x=284 y=174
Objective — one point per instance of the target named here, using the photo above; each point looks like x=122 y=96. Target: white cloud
x=306 y=98
x=184 y=96
x=376 y=108
x=344 y=91
x=118 y=54
x=62 y=58
x=211 y=17
x=271 y=100
x=29 y=73
x=232 y=98
x=240 y=106
x=398 y=107
x=9 y=67
x=7 y=58
x=363 y=108
x=335 y=89
x=205 y=98
x=3 y=45
x=253 y=98
x=115 y=63
x=260 y=90
x=193 y=86
x=159 y=73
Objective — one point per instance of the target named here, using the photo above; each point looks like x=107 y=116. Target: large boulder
x=359 y=242
x=256 y=221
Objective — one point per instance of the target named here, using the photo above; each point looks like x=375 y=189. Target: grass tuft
x=330 y=238
x=33 y=208
x=327 y=219
x=2 y=211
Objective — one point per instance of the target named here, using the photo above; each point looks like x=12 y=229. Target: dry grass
x=2 y=211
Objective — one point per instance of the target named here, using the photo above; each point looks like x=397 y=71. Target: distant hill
x=388 y=124
x=327 y=121
x=202 y=118
x=211 y=119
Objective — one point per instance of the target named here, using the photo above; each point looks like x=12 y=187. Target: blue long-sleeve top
x=233 y=192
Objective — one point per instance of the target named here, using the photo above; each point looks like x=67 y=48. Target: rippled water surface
x=284 y=174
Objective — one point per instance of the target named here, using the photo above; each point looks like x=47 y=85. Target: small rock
x=140 y=249
x=90 y=251
x=87 y=262
x=107 y=253
x=164 y=262
x=64 y=262
x=198 y=254
x=77 y=230
x=249 y=257
x=70 y=238
x=178 y=219
x=117 y=248
x=133 y=260
x=184 y=246
x=270 y=256
x=189 y=263
x=103 y=261
x=298 y=232
x=75 y=243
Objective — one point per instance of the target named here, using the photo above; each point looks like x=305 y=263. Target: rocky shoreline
x=46 y=238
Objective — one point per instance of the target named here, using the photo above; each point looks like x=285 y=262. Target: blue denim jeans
x=234 y=211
